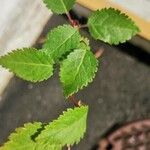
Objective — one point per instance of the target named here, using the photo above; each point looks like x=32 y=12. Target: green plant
x=78 y=65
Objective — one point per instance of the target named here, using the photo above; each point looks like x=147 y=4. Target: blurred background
x=120 y=92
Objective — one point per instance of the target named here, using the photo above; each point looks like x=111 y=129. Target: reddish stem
x=72 y=22
x=75 y=102
x=75 y=23
x=99 y=53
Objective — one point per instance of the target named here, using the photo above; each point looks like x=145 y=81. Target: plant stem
x=69 y=147
x=99 y=53
x=72 y=22
x=83 y=26
x=75 y=102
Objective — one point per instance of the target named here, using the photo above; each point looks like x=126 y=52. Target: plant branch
x=99 y=52
x=72 y=22
x=83 y=26
x=69 y=147
x=75 y=102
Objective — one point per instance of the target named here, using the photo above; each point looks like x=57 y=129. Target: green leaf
x=84 y=43
x=68 y=129
x=77 y=70
x=59 y=6
x=21 y=139
x=61 y=40
x=48 y=145
x=111 y=26
x=29 y=64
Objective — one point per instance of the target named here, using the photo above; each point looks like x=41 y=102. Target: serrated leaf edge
x=24 y=49
x=59 y=28
x=120 y=13
x=16 y=132
x=85 y=85
x=69 y=110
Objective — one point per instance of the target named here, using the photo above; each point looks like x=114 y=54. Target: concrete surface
x=120 y=93
x=21 y=23
x=141 y=8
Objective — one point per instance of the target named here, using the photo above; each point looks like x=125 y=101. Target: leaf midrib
x=64 y=6
x=61 y=130
x=30 y=64
x=75 y=122
x=63 y=42
x=79 y=65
